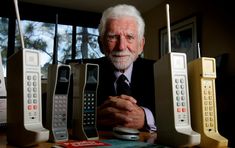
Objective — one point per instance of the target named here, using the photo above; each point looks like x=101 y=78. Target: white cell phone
x=3 y=98
x=24 y=108
x=172 y=101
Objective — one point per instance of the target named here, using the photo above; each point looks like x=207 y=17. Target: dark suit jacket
x=142 y=82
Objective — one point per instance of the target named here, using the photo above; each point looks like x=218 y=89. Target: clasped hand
x=121 y=111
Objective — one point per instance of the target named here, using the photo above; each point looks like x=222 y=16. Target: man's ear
x=141 y=48
x=100 y=44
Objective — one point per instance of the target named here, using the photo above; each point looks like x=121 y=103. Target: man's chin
x=122 y=63
x=121 y=66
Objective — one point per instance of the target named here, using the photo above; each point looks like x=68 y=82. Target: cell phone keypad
x=89 y=108
x=32 y=97
x=60 y=111
x=208 y=105
x=180 y=100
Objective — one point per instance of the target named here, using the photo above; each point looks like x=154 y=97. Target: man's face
x=121 y=42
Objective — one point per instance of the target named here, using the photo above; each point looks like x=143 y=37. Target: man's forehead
x=120 y=25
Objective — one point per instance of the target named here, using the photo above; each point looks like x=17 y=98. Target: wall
x=216 y=36
x=215 y=32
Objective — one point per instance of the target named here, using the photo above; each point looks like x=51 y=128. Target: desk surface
x=144 y=137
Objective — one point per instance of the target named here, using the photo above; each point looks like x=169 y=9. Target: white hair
x=120 y=11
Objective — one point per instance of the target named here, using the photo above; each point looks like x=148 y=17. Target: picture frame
x=183 y=38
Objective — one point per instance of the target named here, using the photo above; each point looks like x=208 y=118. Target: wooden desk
x=144 y=136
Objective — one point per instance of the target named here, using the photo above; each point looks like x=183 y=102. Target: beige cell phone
x=202 y=75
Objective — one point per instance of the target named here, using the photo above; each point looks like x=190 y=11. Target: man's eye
x=130 y=38
x=112 y=37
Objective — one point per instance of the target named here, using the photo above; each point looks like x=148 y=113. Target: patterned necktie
x=122 y=86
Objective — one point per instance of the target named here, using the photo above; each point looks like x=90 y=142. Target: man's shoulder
x=143 y=66
x=144 y=61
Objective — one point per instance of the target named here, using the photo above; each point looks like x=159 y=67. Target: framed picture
x=183 y=38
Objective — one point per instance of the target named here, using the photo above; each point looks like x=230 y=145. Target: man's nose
x=122 y=43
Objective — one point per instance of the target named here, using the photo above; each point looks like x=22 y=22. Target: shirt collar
x=127 y=73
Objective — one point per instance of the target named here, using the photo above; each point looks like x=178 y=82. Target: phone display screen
x=63 y=80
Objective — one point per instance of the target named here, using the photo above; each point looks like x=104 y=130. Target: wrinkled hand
x=121 y=111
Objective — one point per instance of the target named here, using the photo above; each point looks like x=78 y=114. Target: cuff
x=150 y=121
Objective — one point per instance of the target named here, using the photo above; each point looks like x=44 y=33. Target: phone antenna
x=168 y=27
x=19 y=23
x=55 y=49
x=198 y=50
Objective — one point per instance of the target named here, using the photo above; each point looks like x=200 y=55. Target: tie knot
x=122 y=86
x=121 y=78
